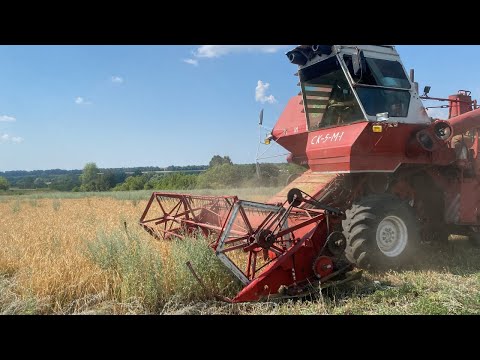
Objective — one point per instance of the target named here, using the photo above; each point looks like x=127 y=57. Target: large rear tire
x=382 y=232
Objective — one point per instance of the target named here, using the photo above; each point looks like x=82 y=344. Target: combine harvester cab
x=382 y=177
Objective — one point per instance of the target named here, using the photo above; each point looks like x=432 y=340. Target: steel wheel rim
x=392 y=236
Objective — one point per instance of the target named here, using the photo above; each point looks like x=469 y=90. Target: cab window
x=327 y=96
x=383 y=87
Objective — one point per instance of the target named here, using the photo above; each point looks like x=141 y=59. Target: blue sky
x=122 y=106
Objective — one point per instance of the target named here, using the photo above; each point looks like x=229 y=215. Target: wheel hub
x=265 y=239
x=392 y=236
x=322 y=266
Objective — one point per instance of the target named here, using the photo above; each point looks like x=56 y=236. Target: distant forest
x=219 y=173
x=67 y=180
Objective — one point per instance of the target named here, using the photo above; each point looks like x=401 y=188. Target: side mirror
x=382 y=117
x=426 y=90
x=359 y=63
x=260 y=120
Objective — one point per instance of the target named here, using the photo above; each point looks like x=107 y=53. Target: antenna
x=263 y=141
x=260 y=124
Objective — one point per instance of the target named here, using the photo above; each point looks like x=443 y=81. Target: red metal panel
x=290 y=131
x=292 y=120
x=357 y=148
x=469 y=201
x=459 y=104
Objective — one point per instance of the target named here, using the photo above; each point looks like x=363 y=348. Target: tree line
x=220 y=173
x=68 y=180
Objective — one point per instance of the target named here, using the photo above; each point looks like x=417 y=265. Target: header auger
x=382 y=177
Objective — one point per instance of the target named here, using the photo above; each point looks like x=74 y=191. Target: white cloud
x=6 y=138
x=6 y=118
x=191 y=61
x=261 y=93
x=212 y=51
x=81 y=101
x=117 y=79
x=215 y=51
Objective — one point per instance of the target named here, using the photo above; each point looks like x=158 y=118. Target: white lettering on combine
x=322 y=139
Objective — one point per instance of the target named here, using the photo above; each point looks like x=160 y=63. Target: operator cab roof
x=305 y=55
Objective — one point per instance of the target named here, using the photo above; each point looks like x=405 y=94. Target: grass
x=64 y=253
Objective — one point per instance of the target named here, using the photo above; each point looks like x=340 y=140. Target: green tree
x=90 y=177
x=220 y=176
x=269 y=172
x=218 y=160
x=106 y=181
x=39 y=183
x=4 y=184
x=174 y=181
x=26 y=182
x=109 y=178
x=132 y=183
x=64 y=182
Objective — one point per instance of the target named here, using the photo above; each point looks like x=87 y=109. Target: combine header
x=382 y=178
x=272 y=249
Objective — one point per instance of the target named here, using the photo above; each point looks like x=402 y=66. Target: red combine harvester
x=382 y=178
